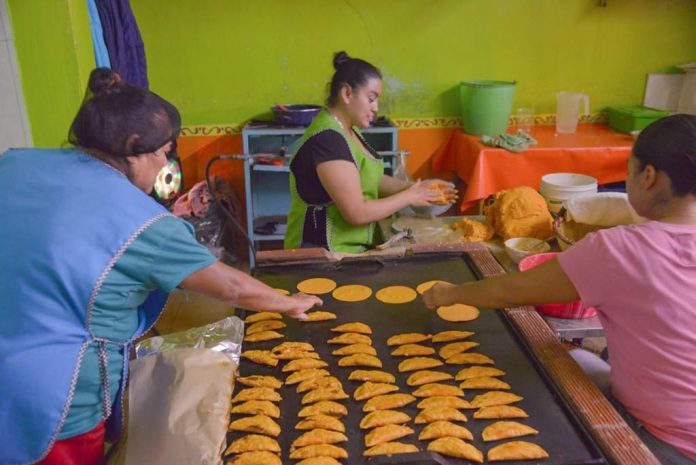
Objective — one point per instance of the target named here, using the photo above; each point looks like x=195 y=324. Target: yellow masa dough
x=458 y=313
x=316 y=286
x=396 y=295
x=422 y=287
x=352 y=293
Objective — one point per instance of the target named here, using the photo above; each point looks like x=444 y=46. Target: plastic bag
x=223 y=336
x=198 y=207
x=178 y=408
x=179 y=395
x=400 y=170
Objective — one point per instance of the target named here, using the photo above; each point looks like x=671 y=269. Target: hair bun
x=340 y=58
x=102 y=79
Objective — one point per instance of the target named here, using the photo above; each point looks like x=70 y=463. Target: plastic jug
x=568 y=110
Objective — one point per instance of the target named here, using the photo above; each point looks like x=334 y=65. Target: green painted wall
x=55 y=56
x=225 y=61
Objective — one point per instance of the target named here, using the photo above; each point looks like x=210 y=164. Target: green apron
x=341 y=235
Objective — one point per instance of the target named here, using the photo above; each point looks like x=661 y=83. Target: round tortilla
x=352 y=293
x=458 y=312
x=282 y=291
x=316 y=286
x=396 y=295
x=422 y=287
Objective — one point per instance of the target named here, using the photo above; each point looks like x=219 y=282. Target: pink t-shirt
x=642 y=281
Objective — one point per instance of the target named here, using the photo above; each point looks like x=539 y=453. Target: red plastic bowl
x=569 y=310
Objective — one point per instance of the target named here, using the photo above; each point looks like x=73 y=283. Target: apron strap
x=103 y=369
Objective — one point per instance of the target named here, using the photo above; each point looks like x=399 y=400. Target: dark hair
x=118 y=119
x=669 y=144
x=351 y=71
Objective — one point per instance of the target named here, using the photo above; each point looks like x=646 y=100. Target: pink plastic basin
x=568 y=310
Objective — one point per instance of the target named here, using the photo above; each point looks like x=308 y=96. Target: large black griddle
x=560 y=434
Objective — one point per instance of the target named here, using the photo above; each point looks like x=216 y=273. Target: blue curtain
x=123 y=40
x=101 y=54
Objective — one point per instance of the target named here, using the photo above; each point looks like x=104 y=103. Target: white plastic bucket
x=556 y=188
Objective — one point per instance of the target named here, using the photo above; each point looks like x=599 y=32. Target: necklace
x=338 y=121
x=352 y=135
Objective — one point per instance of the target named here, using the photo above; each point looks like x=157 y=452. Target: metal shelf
x=267 y=186
x=280 y=169
x=267 y=237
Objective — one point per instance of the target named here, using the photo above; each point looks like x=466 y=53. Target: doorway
x=14 y=127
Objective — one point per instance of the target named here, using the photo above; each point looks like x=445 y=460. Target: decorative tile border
x=427 y=123
x=212 y=130
x=456 y=121
x=435 y=122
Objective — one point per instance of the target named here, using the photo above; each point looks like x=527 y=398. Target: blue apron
x=65 y=219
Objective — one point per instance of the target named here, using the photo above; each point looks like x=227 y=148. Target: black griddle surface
x=560 y=434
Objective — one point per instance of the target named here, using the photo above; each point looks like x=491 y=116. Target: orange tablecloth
x=595 y=150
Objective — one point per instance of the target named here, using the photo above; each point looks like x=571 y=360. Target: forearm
x=544 y=284
x=390 y=186
x=236 y=288
x=369 y=211
x=494 y=292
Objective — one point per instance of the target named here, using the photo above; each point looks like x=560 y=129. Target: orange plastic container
x=568 y=310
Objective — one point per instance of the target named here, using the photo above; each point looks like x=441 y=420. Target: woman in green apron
x=337 y=182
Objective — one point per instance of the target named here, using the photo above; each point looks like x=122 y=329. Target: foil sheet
x=223 y=336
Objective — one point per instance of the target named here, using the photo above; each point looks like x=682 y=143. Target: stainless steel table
x=566 y=328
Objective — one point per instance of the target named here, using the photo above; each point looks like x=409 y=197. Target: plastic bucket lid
x=486 y=106
x=558 y=187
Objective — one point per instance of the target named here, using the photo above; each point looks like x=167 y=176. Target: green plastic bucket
x=486 y=106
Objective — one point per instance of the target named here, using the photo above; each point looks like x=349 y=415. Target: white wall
x=14 y=128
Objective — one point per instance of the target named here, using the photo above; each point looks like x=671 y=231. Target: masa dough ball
x=519 y=212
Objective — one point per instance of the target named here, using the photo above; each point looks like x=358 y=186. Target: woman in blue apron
x=88 y=258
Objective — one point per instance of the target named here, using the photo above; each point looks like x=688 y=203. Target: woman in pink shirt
x=642 y=281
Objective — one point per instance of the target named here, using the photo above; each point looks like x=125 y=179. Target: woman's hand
x=301 y=304
x=238 y=289
x=441 y=294
x=422 y=196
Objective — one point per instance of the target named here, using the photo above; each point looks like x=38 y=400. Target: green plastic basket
x=486 y=106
